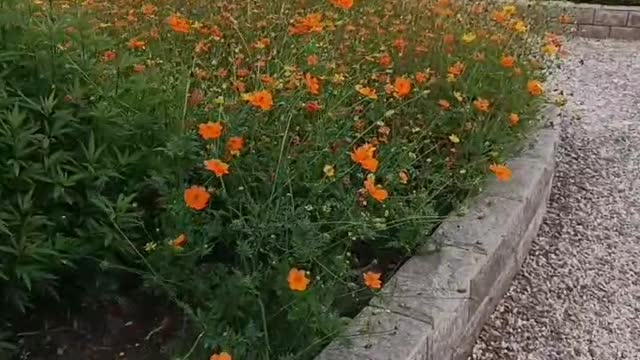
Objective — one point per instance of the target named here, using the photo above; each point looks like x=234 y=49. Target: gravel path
x=578 y=293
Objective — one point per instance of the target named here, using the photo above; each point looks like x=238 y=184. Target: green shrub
x=79 y=157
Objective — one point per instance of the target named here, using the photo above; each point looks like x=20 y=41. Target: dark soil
x=123 y=328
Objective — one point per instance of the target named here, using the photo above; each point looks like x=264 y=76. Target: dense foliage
x=262 y=165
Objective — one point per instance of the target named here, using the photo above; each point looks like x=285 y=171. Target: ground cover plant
x=261 y=166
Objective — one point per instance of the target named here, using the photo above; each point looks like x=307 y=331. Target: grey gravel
x=577 y=295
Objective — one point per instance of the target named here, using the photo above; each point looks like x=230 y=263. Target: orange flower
x=139 y=68
x=502 y=172
x=366 y=91
x=482 y=105
x=179 y=242
x=400 y=45
x=135 y=44
x=222 y=356
x=262 y=43
x=376 y=192
x=202 y=47
x=565 y=19
x=196 y=97
x=210 y=131
x=363 y=155
x=507 y=62
x=261 y=99
x=534 y=87
x=312 y=60
x=372 y=280
x=235 y=145
x=179 y=24
x=312 y=106
x=217 y=167
x=444 y=104
x=298 y=280
x=196 y=197
x=514 y=119
x=343 y=4
x=404 y=177
x=456 y=69
x=385 y=60
x=311 y=23
x=421 y=77
x=109 y=56
x=313 y=84
x=149 y=10
x=448 y=39
x=402 y=86
x=500 y=17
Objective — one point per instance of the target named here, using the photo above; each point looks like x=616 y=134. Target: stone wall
x=607 y=21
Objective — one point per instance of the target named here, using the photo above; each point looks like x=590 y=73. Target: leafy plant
x=77 y=159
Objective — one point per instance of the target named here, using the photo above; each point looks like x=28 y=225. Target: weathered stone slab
x=584 y=15
x=594 y=31
x=634 y=19
x=609 y=17
x=625 y=33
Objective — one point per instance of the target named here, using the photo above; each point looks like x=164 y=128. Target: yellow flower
x=550 y=49
x=509 y=9
x=520 y=26
x=454 y=139
x=329 y=171
x=367 y=92
x=469 y=37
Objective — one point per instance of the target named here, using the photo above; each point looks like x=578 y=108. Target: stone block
x=634 y=19
x=594 y=31
x=610 y=17
x=625 y=33
x=584 y=15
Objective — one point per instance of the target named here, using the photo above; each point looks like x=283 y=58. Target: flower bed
x=291 y=154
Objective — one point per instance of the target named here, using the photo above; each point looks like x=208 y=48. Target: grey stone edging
x=602 y=21
x=435 y=305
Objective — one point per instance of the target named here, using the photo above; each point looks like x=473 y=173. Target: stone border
x=603 y=21
x=436 y=304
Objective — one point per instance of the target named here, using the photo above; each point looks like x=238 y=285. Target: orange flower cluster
x=502 y=172
x=179 y=24
x=197 y=197
x=260 y=99
x=221 y=356
x=402 y=87
x=482 y=105
x=313 y=84
x=298 y=280
x=311 y=23
x=376 y=191
x=364 y=155
x=343 y=4
x=372 y=280
x=534 y=87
